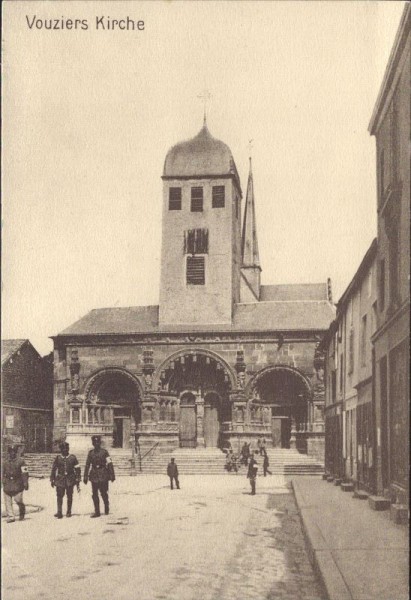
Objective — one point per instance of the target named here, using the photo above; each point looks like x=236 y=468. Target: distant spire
x=250 y=255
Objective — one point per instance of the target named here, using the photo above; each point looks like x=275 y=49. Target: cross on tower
x=205 y=96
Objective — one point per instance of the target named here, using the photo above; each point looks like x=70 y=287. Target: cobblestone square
x=211 y=540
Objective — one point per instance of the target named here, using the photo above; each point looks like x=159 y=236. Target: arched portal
x=113 y=399
x=280 y=399
x=201 y=382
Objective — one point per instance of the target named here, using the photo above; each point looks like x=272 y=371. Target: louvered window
x=196 y=241
x=218 y=196
x=196 y=270
x=197 y=199
x=174 y=198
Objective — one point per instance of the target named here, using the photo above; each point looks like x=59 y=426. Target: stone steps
x=197 y=461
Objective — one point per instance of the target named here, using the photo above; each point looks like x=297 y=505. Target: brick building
x=349 y=418
x=27 y=396
x=390 y=124
x=222 y=358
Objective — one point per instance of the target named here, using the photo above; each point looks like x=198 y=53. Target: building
x=390 y=124
x=27 y=396
x=349 y=417
x=222 y=358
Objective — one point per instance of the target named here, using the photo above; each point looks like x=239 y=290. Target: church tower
x=201 y=233
x=251 y=269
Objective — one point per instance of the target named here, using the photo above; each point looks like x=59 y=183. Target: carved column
x=200 y=419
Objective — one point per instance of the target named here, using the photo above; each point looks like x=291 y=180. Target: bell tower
x=201 y=234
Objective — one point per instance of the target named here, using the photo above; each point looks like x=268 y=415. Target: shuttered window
x=196 y=270
x=197 y=199
x=218 y=196
x=196 y=241
x=174 y=198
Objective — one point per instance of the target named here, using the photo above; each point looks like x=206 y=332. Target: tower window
x=197 y=199
x=196 y=241
x=218 y=196
x=195 y=270
x=174 y=198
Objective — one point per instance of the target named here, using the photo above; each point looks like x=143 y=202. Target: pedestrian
x=266 y=464
x=262 y=447
x=252 y=472
x=99 y=469
x=244 y=454
x=15 y=479
x=65 y=474
x=172 y=472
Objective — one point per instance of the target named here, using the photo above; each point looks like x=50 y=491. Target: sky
x=88 y=117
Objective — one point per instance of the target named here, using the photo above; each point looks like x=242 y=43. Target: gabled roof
x=294 y=292
x=253 y=316
x=9 y=348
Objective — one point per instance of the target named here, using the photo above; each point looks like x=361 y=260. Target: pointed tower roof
x=249 y=247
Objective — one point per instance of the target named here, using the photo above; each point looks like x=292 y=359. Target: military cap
x=12 y=448
x=64 y=445
x=96 y=438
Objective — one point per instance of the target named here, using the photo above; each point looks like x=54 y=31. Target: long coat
x=15 y=476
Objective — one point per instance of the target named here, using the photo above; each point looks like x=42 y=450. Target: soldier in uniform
x=15 y=479
x=65 y=474
x=99 y=469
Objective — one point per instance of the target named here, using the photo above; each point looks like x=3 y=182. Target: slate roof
x=294 y=292
x=253 y=316
x=202 y=155
x=10 y=347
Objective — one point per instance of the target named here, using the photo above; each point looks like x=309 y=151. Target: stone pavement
x=359 y=553
x=211 y=540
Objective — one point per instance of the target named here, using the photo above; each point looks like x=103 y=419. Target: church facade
x=222 y=358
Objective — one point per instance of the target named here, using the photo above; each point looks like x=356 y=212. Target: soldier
x=65 y=473
x=101 y=472
x=15 y=479
x=252 y=472
x=172 y=472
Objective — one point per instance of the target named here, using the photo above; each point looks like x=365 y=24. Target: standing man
x=99 y=469
x=252 y=472
x=172 y=472
x=15 y=479
x=266 y=464
x=65 y=473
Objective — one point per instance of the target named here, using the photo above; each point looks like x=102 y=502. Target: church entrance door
x=211 y=420
x=188 y=421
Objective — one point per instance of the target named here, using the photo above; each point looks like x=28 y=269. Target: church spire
x=251 y=268
x=250 y=255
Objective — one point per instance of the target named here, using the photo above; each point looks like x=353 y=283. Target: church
x=222 y=358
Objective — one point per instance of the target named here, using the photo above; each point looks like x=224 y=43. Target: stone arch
x=98 y=377
x=252 y=384
x=191 y=352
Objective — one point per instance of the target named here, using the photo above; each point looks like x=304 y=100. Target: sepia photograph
x=205 y=300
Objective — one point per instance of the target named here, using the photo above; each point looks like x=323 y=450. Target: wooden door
x=211 y=425
x=188 y=426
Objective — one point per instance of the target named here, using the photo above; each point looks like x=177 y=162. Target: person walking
x=15 y=479
x=266 y=464
x=172 y=472
x=252 y=472
x=99 y=469
x=65 y=474
x=262 y=447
